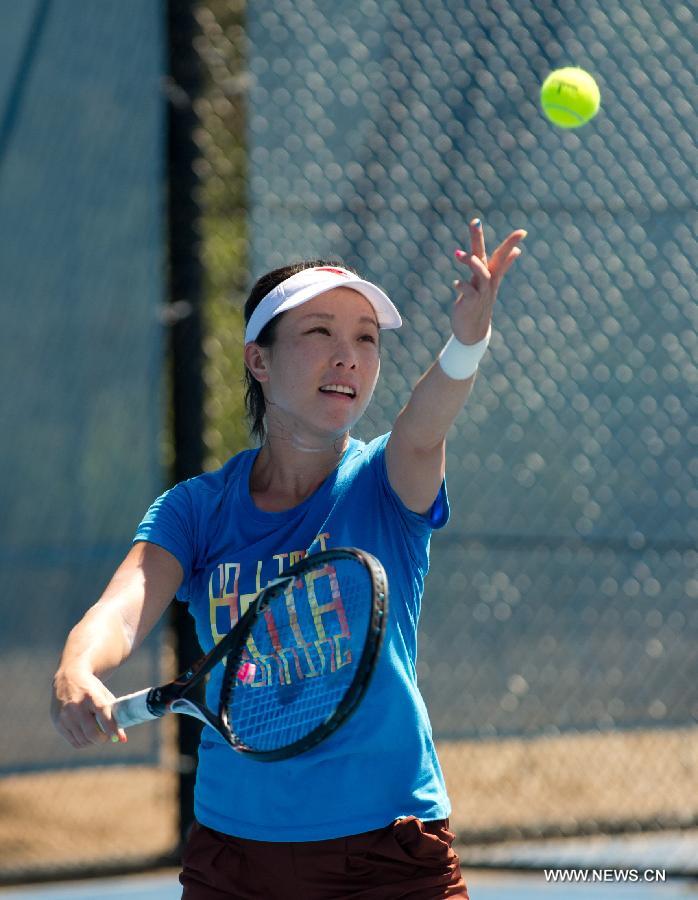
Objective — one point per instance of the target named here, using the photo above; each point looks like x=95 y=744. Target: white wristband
x=460 y=361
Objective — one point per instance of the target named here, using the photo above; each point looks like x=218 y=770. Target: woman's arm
x=136 y=597
x=416 y=451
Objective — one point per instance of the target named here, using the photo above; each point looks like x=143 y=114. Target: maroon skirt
x=407 y=860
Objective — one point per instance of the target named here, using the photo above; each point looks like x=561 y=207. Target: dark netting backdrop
x=559 y=637
x=81 y=350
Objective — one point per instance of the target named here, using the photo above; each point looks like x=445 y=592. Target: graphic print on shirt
x=305 y=635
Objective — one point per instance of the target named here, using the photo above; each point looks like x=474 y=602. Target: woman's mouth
x=343 y=391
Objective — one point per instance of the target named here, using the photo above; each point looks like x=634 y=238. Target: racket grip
x=133 y=709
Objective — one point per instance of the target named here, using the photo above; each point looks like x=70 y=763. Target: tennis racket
x=295 y=665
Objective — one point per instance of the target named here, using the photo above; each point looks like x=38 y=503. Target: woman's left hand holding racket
x=136 y=597
x=81 y=709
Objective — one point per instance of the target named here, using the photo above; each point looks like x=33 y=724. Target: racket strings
x=302 y=656
x=266 y=726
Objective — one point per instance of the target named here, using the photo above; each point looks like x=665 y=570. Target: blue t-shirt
x=381 y=764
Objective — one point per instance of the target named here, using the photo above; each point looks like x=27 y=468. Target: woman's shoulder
x=217 y=481
x=363 y=455
x=367 y=449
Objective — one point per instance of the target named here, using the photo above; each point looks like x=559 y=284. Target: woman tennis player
x=365 y=813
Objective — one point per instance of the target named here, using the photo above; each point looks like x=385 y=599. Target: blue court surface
x=675 y=852
x=482 y=885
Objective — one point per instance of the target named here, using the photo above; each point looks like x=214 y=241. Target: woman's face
x=323 y=366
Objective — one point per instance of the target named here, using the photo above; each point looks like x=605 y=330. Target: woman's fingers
x=108 y=727
x=78 y=728
x=477 y=240
x=502 y=258
x=505 y=264
x=502 y=254
x=481 y=273
x=81 y=710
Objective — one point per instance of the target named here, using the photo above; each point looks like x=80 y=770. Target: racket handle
x=133 y=709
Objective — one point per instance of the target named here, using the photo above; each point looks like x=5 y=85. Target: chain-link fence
x=81 y=349
x=558 y=640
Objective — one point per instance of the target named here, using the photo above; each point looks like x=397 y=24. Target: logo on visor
x=336 y=271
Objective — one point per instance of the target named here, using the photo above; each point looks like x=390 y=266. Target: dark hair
x=254 y=395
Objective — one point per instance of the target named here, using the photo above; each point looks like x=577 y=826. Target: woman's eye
x=321 y=329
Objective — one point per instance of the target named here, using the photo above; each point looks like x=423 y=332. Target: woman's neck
x=287 y=471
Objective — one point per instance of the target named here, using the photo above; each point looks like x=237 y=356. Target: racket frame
x=154 y=702
x=364 y=671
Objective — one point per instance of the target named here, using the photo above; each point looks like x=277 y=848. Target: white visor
x=308 y=283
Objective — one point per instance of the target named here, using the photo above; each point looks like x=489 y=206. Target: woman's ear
x=256 y=360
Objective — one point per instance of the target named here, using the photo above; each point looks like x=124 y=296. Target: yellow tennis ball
x=570 y=97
